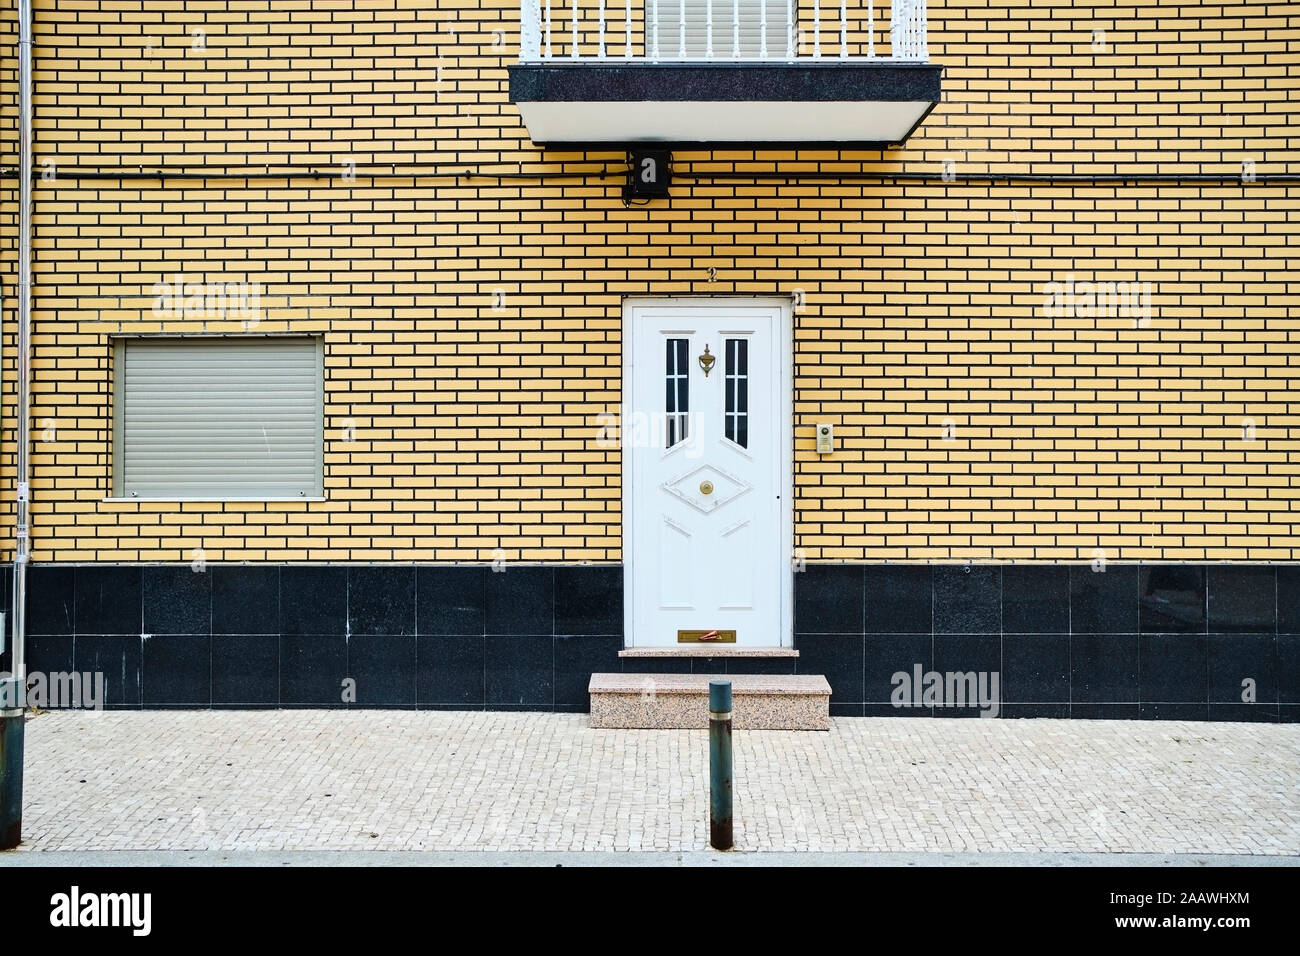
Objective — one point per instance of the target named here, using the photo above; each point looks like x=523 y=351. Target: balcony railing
x=721 y=31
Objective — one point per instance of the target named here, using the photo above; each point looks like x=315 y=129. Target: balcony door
x=738 y=28
x=707 y=464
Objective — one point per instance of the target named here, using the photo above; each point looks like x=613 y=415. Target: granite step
x=681 y=701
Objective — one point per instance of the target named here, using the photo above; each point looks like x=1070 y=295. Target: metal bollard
x=11 y=764
x=720 y=836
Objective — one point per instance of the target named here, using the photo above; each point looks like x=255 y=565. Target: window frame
x=677 y=377
x=119 y=344
x=733 y=416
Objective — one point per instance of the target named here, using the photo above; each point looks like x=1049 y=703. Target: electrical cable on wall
x=618 y=171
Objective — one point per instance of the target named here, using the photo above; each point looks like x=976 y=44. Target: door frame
x=783 y=346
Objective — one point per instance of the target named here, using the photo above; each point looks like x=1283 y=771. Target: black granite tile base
x=449 y=600
x=313 y=600
x=1035 y=599
x=519 y=671
x=886 y=657
x=1172 y=599
x=1036 y=668
x=245 y=670
x=106 y=600
x=449 y=670
x=50 y=653
x=1288 y=599
x=383 y=666
x=1103 y=711
x=381 y=600
x=828 y=599
x=1172 y=667
x=1255 y=713
x=655 y=665
x=967 y=599
x=899 y=599
x=245 y=599
x=1173 y=711
x=450 y=707
x=50 y=600
x=1104 y=668
x=519 y=600
x=1154 y=641
x=577 y=657
x=220 y=706
x=1057 y=711
x=966 y=711
x=589 y=600
x=118 y=658
x=176 y=600
x=523 y=708
x=1288 y=668
x=889 y=710
x=705 y=665
x=1242 y=666
x=1242 y=598
x=204 y=706
x=313 y=668
x=838 y=657
x=762 y=665
x=177 y=670
x=339 y=705
x=964 y=653
x=1104 y=601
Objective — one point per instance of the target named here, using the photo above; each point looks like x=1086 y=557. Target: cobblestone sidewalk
x=387 y=780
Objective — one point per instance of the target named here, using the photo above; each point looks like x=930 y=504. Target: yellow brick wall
x=475 y=420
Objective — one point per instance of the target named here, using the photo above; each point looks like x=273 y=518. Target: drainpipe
x=12 y=697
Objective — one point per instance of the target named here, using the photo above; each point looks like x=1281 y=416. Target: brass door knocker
x=706 y=361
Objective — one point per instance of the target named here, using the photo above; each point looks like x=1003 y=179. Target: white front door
x=707 y=460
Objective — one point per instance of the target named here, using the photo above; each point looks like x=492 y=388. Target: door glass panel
x=736 y=386
x=677 y=400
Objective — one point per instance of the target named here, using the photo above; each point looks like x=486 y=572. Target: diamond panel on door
x=707 y=488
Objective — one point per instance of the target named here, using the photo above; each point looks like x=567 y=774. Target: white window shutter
x=219 y=417
x=723 y=19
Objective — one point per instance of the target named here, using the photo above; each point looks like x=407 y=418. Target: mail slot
x=706 y=637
